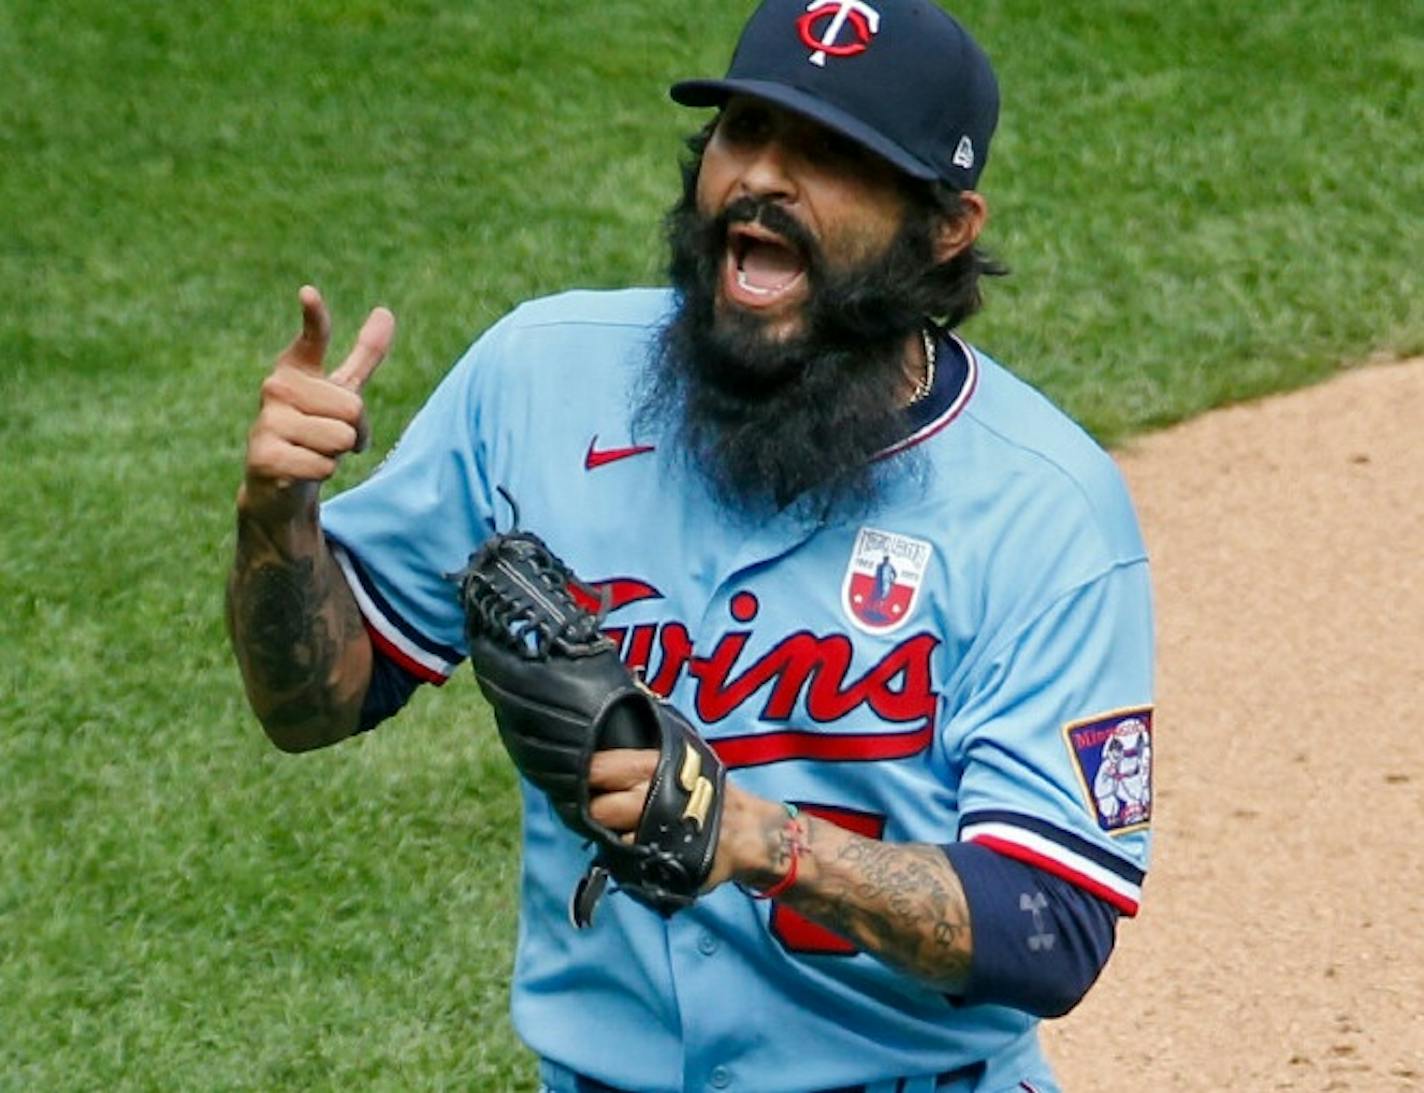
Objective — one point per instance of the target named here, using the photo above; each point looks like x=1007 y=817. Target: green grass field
x=1201 y=202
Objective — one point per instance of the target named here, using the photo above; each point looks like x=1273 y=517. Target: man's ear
x=954 y=235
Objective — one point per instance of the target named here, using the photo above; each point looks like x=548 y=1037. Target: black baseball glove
x=559 y=693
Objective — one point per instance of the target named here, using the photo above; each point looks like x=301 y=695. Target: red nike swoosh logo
x=596 y=458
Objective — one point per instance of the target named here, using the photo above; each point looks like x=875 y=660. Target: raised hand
x=310 y=418
x=296 y=630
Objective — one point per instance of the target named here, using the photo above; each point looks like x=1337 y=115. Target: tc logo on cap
x=864 y=22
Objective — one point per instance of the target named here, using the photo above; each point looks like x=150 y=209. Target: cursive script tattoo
x=902 y=902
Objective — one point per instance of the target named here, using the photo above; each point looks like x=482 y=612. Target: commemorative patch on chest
x=1112 y=755
x=883 y=579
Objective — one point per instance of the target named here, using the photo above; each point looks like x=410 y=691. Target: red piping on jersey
x=1125 y=904
x=776 y=747
x=391 y=652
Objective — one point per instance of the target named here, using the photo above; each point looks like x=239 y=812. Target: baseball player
x=901 y=596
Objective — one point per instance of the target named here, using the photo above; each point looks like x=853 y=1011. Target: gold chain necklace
x=926 y=381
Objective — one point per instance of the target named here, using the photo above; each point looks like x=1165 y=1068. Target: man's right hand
x=308 y=419
x=296 y=629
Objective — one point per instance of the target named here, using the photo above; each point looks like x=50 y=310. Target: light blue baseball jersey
x=972 y=660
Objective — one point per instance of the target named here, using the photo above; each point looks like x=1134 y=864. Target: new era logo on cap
x=822 y=28
x=964 y=154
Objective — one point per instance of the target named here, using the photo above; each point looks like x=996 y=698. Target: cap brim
x=716 y=92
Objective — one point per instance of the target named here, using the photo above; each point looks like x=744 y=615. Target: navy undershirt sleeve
x=390 y=689
x=1039 y=941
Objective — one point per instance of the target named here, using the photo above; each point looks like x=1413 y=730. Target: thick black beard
x=774 y=423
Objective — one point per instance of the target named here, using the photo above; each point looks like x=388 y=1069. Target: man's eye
x=832 y=147
x=744 y=126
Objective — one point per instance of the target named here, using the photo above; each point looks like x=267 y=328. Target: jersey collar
x=956 y=376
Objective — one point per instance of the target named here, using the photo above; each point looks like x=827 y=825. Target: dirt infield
x=1281 y=944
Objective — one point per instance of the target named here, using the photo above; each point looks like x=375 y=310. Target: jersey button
x=707 y=945
x=721 y=1077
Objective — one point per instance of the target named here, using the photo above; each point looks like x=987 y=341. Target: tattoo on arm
x=781 y=843
x=294 y=625
x=281 y=612
x=902 y=902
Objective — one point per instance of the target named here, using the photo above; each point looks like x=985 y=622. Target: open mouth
x=763 y=268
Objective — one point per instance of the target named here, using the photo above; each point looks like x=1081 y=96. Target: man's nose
x=768 y=173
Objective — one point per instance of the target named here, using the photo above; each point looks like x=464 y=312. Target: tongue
x=770 y=266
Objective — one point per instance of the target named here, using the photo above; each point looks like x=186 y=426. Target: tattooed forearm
x=280 y=611
x=782 y=841
x=902 y=902
x=299 y=641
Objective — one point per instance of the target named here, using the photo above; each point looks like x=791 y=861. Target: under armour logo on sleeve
x=1041 y=940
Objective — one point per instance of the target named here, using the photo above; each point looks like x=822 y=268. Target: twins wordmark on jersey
x=811 y=674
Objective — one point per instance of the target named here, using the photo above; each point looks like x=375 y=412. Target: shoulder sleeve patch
x=1112 y=757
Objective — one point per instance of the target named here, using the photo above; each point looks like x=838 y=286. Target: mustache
x=772 y=216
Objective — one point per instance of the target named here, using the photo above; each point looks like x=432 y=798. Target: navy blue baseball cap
x=901 y=77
